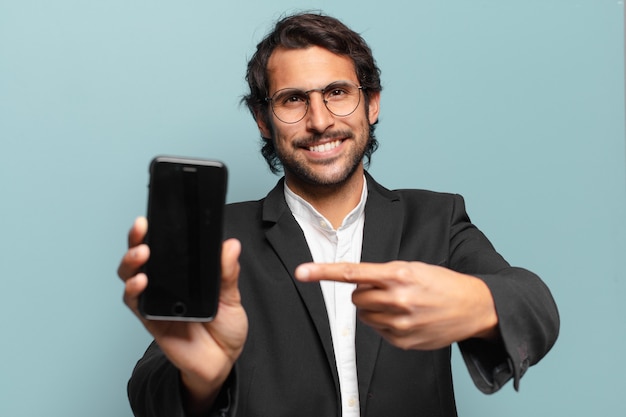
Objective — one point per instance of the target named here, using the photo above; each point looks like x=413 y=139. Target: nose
x=319 y=118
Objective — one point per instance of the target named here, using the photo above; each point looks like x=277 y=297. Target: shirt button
x=351 y=402
x=345 y=332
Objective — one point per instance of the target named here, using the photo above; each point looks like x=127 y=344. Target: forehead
x=313 y=67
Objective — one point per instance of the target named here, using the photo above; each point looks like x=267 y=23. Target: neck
x=335 y=201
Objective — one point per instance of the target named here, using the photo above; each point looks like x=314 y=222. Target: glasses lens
x=342 y=99
x=290 y=105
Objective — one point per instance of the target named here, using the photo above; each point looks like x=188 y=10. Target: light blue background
x=517 y=105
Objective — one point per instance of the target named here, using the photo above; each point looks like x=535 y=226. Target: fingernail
x=303 y=273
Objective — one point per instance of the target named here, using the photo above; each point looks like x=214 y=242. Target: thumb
x=229 y=293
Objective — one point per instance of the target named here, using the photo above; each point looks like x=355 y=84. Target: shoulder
x=242 y=217
x=413 y=197
x=242 y=208
x=413 y=194
x=430 y=201
x=415 y=207
x=266 y=209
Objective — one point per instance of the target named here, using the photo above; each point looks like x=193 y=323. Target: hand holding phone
x=185 y=213
x=204 y=352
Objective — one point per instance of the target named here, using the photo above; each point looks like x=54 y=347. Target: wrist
x=488 y=327
x=199 y=393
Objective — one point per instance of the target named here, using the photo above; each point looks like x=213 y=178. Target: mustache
x=308 y=141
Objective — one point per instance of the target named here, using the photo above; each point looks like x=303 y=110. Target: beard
x=338 y=171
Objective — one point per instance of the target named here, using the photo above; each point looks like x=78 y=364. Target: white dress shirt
x=342 y=245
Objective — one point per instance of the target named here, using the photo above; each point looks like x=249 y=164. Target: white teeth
x=325 y=147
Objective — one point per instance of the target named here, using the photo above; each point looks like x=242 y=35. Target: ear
x=262 y=123
x=373 y=107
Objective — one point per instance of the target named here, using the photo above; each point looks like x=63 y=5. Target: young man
x=339 y=297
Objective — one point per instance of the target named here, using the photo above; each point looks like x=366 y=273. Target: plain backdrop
x=517 y=105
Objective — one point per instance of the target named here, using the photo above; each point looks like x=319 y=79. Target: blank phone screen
x=185 y=236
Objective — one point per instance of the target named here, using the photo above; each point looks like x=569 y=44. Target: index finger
x=137 y=232
x=356 y=273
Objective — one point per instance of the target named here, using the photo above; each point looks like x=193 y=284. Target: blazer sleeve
x=528 y=318
x=155 y=389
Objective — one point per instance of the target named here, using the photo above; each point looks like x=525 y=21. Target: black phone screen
x=185 y=206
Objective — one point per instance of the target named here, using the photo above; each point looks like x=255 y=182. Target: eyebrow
x=317 y=88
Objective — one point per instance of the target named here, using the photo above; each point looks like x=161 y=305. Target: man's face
x=321 y=149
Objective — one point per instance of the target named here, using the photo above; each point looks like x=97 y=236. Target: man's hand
x=203 y=352
x=414 y=305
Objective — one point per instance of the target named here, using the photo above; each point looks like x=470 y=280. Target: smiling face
x=321 y=149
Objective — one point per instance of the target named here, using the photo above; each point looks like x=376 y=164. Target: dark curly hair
x=301 y=31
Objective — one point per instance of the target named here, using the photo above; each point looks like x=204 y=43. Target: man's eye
x=336 y=93
x=291 y=99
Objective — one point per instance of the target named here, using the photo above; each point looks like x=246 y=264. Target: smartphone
x=185 y=211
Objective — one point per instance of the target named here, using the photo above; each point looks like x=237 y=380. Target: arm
x=528 y=324
x=155 y=389
x=190 y=361
x=528 y=319
x=475 y=300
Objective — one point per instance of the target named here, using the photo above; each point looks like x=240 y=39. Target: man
x=339 y=297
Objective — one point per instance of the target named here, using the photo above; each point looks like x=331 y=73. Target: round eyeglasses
x=290 y=105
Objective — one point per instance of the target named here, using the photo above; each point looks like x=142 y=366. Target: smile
x=325 y=147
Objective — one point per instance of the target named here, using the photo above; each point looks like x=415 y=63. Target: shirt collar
x=303 y=210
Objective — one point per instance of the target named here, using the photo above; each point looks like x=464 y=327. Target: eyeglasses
x=290 y=105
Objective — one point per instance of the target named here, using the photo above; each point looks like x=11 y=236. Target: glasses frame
x=323 y=90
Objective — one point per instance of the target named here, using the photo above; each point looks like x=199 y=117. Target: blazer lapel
x=381 y=243
x=287 y=239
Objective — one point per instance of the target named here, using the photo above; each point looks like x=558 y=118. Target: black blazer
x=287 y=367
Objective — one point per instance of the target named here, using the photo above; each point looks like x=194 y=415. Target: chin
x=328 y=177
